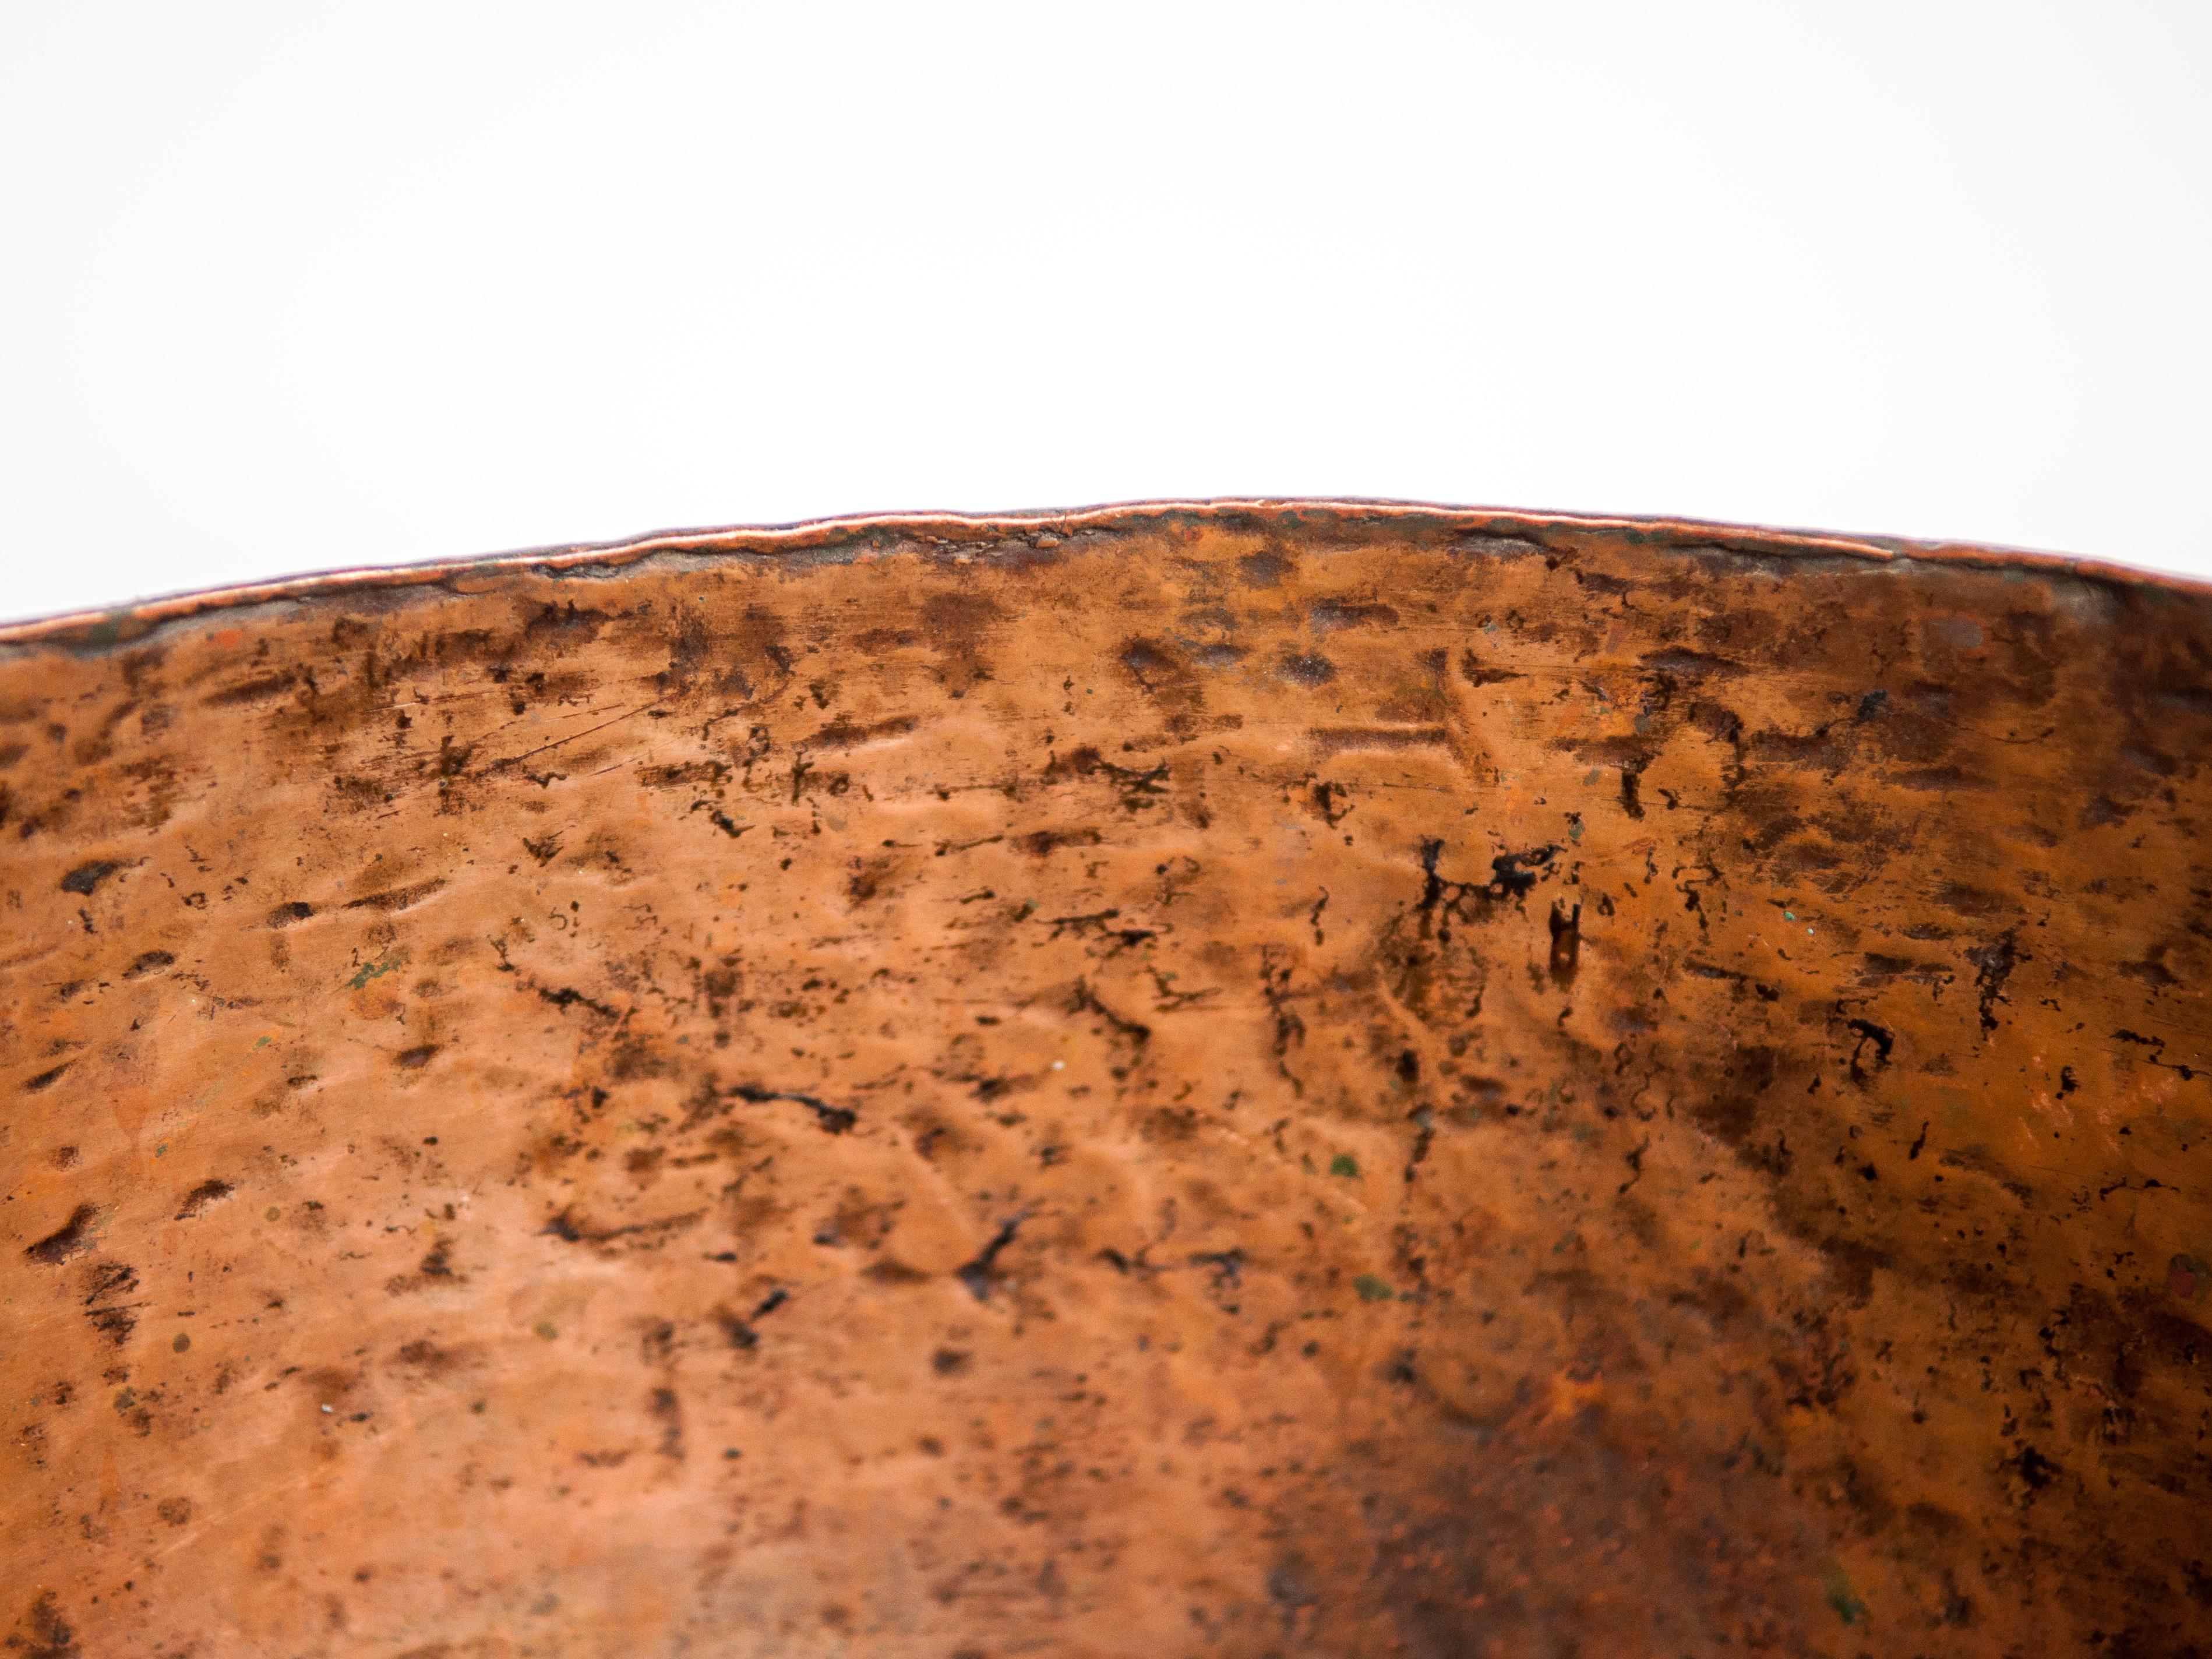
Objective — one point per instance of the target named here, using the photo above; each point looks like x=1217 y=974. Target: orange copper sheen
x=1235 y=1079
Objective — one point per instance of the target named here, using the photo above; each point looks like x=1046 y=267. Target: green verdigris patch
x=1848 y=1607
x=388 y=962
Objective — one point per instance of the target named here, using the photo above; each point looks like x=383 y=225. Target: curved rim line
x=114 y=624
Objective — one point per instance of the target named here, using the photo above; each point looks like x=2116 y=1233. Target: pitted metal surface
x=1229 y=1081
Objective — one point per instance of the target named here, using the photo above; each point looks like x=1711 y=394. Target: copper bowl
x=1230 y=1079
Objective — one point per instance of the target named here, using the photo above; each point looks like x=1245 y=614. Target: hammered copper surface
x=1180 y=1081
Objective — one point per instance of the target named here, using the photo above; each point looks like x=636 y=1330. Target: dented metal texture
x=1229 y=1079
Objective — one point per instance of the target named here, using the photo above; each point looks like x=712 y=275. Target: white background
x=287 y=286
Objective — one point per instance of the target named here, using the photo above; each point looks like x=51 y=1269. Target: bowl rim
x=856 y=534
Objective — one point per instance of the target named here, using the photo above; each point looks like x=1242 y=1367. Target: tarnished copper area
x=1231 y=1080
